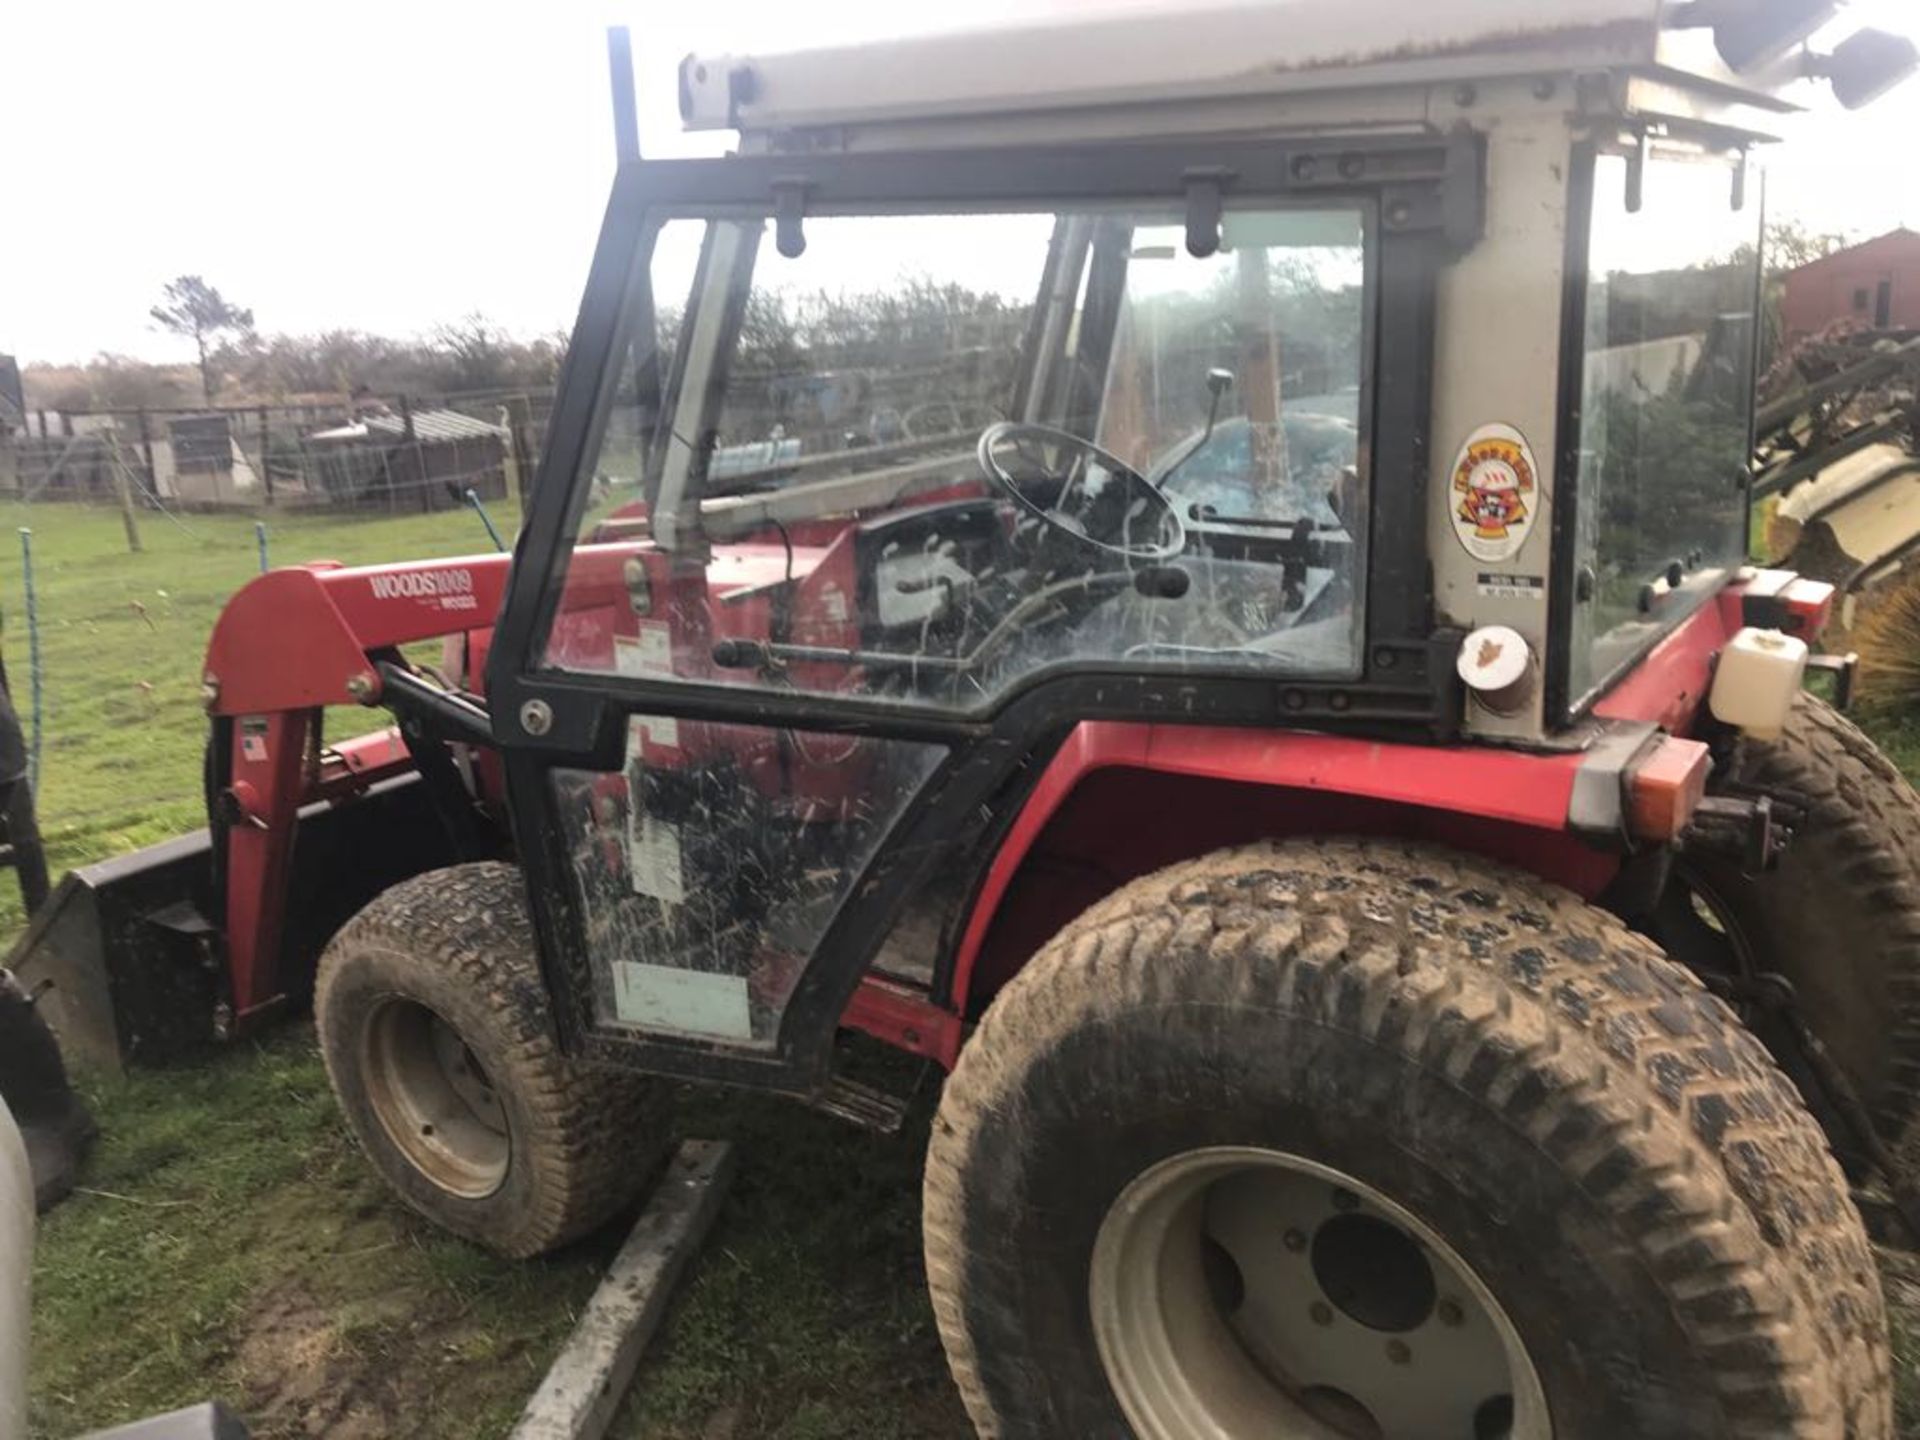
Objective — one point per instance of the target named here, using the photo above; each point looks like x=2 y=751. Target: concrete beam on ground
x=589 y=1379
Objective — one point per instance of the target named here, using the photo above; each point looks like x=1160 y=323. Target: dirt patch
x=300 y=1377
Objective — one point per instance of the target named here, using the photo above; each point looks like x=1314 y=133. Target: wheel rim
x=1696 y=926
x=1242 y=1292
x=435 y=1100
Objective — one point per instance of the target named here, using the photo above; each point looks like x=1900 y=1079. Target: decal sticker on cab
x=1495 y=484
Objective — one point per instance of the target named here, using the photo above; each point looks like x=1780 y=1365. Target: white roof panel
x=1215 y=49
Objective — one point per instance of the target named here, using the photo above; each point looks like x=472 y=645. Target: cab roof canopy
x=1734 y=63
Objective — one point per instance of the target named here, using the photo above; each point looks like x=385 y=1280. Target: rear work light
x=1665 y=786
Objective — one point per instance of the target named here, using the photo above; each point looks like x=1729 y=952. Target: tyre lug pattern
x=1777 y=1289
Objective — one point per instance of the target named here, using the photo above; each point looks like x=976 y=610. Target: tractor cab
x=1390 y=388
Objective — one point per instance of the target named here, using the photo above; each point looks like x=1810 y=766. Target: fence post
x=524 y=453
x=146 y=454
x=33 y=653
x=260 y=538
x=118 y=466
x=509 y=459
x=266 y=465
x=473 y=499
x=413 y=448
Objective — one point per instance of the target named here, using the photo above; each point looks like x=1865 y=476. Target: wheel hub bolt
x=1450 y=1312
x=1321 y=1312
x=1294 y=1241
x=1398 y=1352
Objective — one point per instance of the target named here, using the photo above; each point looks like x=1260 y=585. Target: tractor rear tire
x=1840 y=914
x=437 y=1038
x=1608 y=1165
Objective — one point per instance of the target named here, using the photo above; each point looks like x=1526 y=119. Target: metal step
x=862 y=1105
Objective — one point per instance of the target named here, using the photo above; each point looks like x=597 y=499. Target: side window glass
x=1666 y=406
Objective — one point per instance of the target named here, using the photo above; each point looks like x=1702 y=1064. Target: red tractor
x=1190 y=570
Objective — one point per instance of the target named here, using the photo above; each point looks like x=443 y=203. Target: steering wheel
x=1095 y=487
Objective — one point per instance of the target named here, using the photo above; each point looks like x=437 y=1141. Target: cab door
x=870 y=476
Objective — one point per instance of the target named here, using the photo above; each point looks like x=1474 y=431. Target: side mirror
x=1864 y=68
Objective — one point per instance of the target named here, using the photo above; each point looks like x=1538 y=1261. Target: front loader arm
x=287 y=644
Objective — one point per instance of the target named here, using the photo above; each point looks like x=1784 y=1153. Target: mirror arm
x=1218 y=383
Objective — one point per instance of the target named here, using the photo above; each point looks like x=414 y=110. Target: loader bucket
x=1857 y=522
x=130 y=949
x=53 y=1122
x=1841 y=450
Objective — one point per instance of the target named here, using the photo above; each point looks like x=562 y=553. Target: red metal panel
x=348 y=767
x=1669 y=688
x=269 y=776
x=385 y=605
x=296 y=638
x=1505 y=787
x=1470 y=780
x=281 y=645
x=904 y=1019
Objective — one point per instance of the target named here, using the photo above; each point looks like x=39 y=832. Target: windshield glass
x=929 y=456
x=1666 y=406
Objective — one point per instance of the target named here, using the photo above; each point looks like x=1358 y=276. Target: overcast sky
x=389 y=166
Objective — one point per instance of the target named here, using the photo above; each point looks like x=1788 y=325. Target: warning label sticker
x=253 y=738
x=1495 y=586
x=653 y=859
x=649 y=653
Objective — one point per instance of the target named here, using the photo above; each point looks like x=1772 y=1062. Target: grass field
x=231 y=1243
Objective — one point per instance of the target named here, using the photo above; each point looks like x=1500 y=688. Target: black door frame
x=1425 y=194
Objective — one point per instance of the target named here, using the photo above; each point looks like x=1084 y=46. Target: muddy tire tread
x=1735 y=1202
x=471 y=920
x=1870 y=816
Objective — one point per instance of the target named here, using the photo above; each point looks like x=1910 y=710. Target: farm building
x=202 y=462
x=418 y=460
x=1876 y=283
x=13 y=404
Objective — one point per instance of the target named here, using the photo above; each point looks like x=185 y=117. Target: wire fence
x=131 y=487
x=395 y=454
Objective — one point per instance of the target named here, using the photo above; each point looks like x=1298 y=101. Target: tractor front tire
x=1356 y=1138
x=435 y=1030
x=1839 y=916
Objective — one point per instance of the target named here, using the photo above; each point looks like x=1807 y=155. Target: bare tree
x=194 y=308
x=1792 y=243
x=478 y=353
